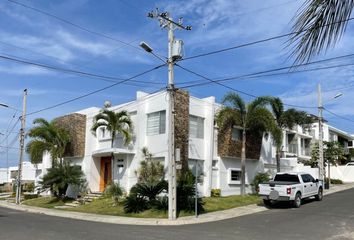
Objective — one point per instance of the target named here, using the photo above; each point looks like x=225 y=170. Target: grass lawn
x=45 y=202
x=213 y=204
x=105 y=206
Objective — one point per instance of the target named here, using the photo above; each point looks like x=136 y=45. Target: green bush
x=60 y=176
x=186 y=194
x=29 y=196
x=335 y=181
x=161 y=203
x=114 y=191
x=259 y=178
x=28 y=187
x=216 y=192
x=135 y=204
x=145 y=193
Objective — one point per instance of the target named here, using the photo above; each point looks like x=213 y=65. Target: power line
x=96 y=91
x=258 y=41
x=9 y=132
x=233 y=89
x=337 y=115
x=73 y=24
x=258 y=74
x=69 y=71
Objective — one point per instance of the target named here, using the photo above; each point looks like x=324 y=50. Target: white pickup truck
x=292 y=187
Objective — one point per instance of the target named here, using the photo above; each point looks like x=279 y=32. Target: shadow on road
x=287 y=205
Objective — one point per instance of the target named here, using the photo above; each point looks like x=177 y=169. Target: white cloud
x=23 y=70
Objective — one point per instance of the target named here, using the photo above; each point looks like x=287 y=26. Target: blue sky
x=216 y=24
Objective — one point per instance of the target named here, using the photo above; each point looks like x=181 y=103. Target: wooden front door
x=105 y=172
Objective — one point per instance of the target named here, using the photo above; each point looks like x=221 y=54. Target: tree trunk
x=243 y=163
x=277 y=156
x=112 y=160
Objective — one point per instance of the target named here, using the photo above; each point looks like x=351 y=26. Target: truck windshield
x=286 y=178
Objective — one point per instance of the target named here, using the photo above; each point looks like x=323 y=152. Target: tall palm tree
x=285 y=119
x=47 y=137
x=318 y=26
x=115 y=123
x=253 y=116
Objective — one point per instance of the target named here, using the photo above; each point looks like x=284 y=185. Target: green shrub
x=28 y=187
x=135 y=204
x=161 y=203
x=114 y=191
x=29 y=196
x=335 y=181
x=186 y=194
x=259 y=178
x=151 y=171
x=60 y=176
x=149 y=190
x=216 y=192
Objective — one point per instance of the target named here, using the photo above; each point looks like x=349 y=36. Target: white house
x=30 y=173
x=217 y=154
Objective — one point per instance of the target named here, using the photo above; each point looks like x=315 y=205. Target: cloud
x=23 y=70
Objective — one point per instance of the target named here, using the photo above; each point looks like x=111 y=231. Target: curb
x=204 y=218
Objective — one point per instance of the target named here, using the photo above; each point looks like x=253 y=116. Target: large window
x=156 y=123
x=196 y=127
x=234 y=176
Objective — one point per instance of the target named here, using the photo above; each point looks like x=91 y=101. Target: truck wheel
x=297 y=200
x=267 y=202
x=319 y=195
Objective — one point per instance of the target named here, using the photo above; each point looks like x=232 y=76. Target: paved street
x=333 y=218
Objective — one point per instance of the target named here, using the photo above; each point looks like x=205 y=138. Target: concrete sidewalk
x=207 y=217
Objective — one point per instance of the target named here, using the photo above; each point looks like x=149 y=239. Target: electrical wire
x=233 y=89
x=69 y=71
x=9 y=132
x=339 y=116
x=95 y=91
x=258 y=41
x=258 y=74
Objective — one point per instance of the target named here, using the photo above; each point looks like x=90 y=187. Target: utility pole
x=166 y=21
x=320 y=134
x=22 y=147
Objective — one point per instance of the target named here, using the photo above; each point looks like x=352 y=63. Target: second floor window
x=156 y=123
x=196 y=127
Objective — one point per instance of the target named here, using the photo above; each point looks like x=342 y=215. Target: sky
x=121 y=25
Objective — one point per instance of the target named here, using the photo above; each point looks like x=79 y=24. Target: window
x=196 y=127
x=156 y=123
x=305 y=178
x=236 y=134
x=286 y=178
x=350 y=144
x=235 y=175
x=102 y=132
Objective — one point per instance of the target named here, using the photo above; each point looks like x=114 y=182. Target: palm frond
x=234 y=100
x=228 y=117
x=319 y=26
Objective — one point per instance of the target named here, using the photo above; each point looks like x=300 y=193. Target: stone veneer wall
x=182 y=125
x=75 y=124
x=231 y=148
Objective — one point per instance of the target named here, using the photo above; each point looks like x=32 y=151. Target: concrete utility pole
x=166 y=21
x=22 y=147
x=320 y=135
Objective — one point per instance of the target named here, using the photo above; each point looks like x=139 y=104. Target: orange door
x=105 y=172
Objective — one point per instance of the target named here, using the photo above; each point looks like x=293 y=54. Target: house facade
x=216 y=154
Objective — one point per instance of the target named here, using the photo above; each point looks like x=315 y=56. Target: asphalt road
x=333 y=218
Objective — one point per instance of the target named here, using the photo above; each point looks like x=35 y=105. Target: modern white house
x=217 y=154
x=30 y=173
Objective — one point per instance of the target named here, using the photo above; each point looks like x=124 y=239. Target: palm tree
x=115 y=123
x=47 y=137
x=318 y=26
x=285 y=119
x=253 y=116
